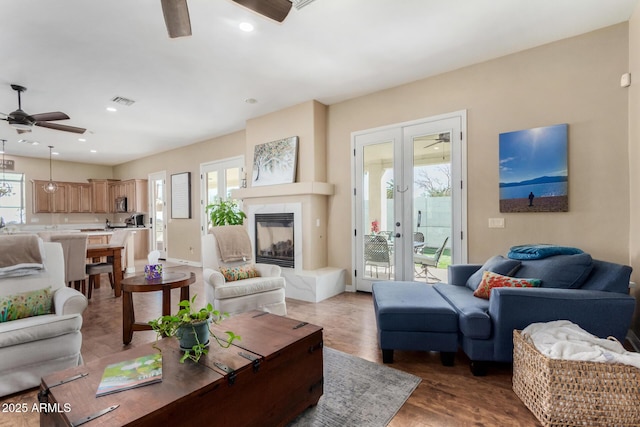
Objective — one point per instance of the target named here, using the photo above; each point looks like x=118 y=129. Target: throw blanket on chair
x=233 y=242
x=20 y=255
x=540 y=251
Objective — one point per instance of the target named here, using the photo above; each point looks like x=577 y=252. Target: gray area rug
x=357 y=393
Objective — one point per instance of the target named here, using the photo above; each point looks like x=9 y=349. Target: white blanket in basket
x=562 y=339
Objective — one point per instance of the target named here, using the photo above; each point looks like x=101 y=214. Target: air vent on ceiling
x=122 y=100
x=299 y=4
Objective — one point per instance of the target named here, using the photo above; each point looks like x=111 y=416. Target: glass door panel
x=157 y=196
x=217 y=180
x=432 y=216
x=378 y=211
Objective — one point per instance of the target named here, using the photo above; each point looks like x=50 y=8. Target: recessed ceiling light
x=82 y=139
x=55 y=153
x=93 y=151
x=246 y=27
x=112 y=109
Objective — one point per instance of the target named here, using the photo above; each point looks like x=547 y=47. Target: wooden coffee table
x=267 y=378
x=138 y=283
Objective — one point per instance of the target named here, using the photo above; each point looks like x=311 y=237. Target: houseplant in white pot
x=191 y=327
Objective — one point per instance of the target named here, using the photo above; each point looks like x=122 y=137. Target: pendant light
x=5 y=188
x=50 y=187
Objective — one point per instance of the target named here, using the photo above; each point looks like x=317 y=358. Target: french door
x=158 y=212
x=409 y=201
x=217 y=180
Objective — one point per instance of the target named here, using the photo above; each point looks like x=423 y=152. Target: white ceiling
x=76 y=55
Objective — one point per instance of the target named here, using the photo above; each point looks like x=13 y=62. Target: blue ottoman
x=414 y=316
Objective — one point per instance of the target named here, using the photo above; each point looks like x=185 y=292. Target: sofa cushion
x=243 y=287
x=473 y=313
x=560 y=271
x=497 y=264
x=38 y=328
x=25 y=304
x=494 y=280
x=239 y=273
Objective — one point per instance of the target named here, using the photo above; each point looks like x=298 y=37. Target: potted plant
x=225 y=212
x=191 y=327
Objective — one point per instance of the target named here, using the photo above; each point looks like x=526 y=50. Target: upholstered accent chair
x=226 y=287
x=35 y=346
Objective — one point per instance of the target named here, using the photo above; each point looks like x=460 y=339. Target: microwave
x=121 y=204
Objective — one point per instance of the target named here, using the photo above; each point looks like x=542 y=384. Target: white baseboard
x=184 y=262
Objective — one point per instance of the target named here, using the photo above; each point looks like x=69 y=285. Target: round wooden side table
x=138 y=283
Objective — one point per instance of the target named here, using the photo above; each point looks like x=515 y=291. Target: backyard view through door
x=407 y=226
x=158 y=213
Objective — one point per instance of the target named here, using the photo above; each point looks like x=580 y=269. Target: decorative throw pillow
x=26 y=304
x=494 y=280
x=497 y=264
x=238 y=273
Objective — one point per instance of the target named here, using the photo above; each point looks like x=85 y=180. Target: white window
x=12 y=209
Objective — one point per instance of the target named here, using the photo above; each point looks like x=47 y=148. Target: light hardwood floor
x=447 y=396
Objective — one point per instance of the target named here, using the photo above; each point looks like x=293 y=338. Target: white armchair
x=36 y=346
x=265 y=292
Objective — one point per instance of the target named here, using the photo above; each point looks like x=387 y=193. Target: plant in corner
x=191 y=327
x=225 y=212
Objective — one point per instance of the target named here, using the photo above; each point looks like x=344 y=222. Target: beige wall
x=183 y=235
x=574 y=81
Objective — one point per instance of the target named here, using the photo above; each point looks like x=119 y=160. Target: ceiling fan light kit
x=51 y=186
x=23 y=122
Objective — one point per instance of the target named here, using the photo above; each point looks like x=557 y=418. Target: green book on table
x=130 y=374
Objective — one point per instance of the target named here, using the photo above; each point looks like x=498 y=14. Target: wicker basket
x=573 y=393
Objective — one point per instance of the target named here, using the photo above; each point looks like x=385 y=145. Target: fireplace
x=274 y=239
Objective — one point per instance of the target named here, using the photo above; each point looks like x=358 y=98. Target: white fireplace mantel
x=295 y=189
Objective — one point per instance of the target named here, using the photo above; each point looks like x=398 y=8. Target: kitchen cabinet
x=135 y=190
x=44 y=202
x=141 y=243
x=78 y=198
x=100 y=197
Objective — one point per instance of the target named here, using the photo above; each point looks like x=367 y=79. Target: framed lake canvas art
x=275 y=162
x=533 y=170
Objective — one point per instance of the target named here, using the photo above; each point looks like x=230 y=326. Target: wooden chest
x=272 y=375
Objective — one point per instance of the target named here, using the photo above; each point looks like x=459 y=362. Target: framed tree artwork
x=533 y=170
x=275 y=162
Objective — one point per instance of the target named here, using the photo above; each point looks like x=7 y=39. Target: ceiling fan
x=23 y=122
x=176 y=13
x=442 y=138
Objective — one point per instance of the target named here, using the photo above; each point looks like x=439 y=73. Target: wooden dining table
x=95 y=252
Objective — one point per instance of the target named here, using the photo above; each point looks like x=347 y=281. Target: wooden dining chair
x=94 y=270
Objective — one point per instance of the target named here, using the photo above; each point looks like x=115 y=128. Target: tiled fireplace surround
x=310 y=280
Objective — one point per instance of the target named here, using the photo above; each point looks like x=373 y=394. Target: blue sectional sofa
x=592 y=293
